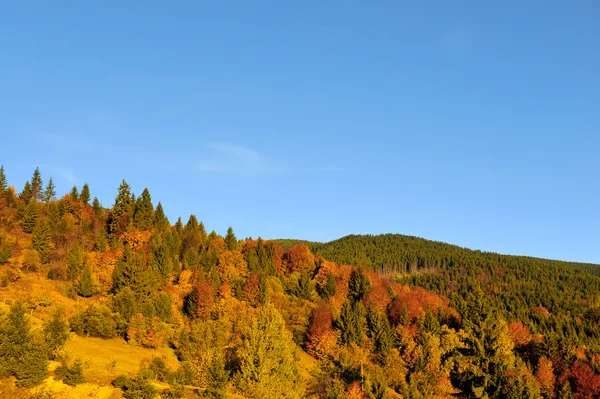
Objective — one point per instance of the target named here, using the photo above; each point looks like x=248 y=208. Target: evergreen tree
x=121 y=212
x=29 y=218
x=160 y=220
x=267 y=359
x=75 y=259
x=56 y=332
x=85 y=194
x=36 y=185
x=40 y=240
x=132 y=272
x=50 y=192
x=86 y=286
x=3 y=181
x=20 y=355
x=74 y=374
x=359 y=284
x=352 y=323
x=75 y=193
x=97 y=207
x=217 y=377
x=328 y=289
x=27 y=193
x=144 y=211
x=230 y=240
x=5 y=252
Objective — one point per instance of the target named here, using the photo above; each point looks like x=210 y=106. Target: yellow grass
x=104 y=360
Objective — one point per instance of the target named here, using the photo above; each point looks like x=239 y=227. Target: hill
x=120 y=301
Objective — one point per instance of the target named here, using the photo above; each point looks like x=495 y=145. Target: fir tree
x=56 y=332
x=75 y=259
x=217 y=377
x=74 y=374
x=75 y=193
x=3 y=181
x=160 y=220
x=85 y=194
x=29 y=218
x=5 y=252
x=230 y=240
x=27 y=193
x=50 y=192
x=359 y=284
x=97 y=207
x=121 y=211
x=328 y=289
x=267 y=359
x=86 y=286
x=36 y=185
x=40 y=240
x=144 y=211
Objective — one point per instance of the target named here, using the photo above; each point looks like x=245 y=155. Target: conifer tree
x=121 y=211
x=20 y=356
x=86 y=286
x=5 y=252
x=56 y=332
x=29 y=218
x=40 y=240
x=74 y=374
x=75 y=259
x=36 y=185
x=359 y=284
x=329 y=288
x=75 y=193
x=160 y=220
x=267 y=359
x=144 y=211
x=3 y=181
x=97 y=207
x=230 y=240
x=50 y=192
x=84 y=197
x=27 y=193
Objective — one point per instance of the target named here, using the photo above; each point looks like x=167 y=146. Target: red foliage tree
x=586 y=382
x=300 y=259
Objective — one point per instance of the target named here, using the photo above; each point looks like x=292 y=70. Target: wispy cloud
x=236 y=159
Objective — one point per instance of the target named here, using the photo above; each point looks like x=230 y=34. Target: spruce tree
x=20 y=355
x=359 y=284
x=56 y=332
x=5 y=252
x=329 y=288
x=144 y=211
x=121 y=211
x=85 y=194
x=160 y=220
x=74 y=374
x=36 y=185
x=3 y=181
x=27 y=193
x=75 y=193
x=29 y=218
x=86 y=286
x=50 y=192
x=75 y=259
x=40 y=240
x=97 y=207
x=230 y=240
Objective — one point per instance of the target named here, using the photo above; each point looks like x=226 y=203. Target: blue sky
x=469 y=122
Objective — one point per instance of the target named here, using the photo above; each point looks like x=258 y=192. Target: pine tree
x=267 y=359
x=359 y=284
x=328 y=289
x=40 y=240
x=75 y=193
x=36 y=185
x=75 y=258
x=132 y=272
x=160 y=220
x=5 y=252
x=144 y=211
x=97 y=207
x=74 y=374
x=230 y=240
x=50 y=192
x=86 y=286
x=3 y=181
x=85 y=194
x=56 y=332
x=29 y=218
x=27 y=193
x=20 y=356
x=121 y=211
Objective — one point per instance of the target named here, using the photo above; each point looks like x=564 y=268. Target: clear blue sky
x=475 y=123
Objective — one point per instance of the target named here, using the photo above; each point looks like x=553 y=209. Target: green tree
x=121 y=211
x=352 y=323
x=267 y=359
x=5 y=251
x=40 y=240
x=160 y=220
x=87 y=286
x=85 y=194
x=144 y=211
x=27 y=193
x=97 y=207
x=74 y=374
x=75 y=193
x=359 y=284
x=36 y=185
x=29 y=218
x=50 y=192
x=131 y=271
x=3 y=181
x=75 y=259
x=328 y=289
x=217 y=377
x=230 y=240
x=20 y=355
x=56 y=333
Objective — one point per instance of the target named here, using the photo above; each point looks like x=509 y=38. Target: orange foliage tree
x=300 y=259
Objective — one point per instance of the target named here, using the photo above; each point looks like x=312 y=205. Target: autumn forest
x=117 y=301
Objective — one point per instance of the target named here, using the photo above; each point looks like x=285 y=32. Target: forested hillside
x=117 y=301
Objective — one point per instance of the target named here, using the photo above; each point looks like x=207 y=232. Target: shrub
x=94 y=321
